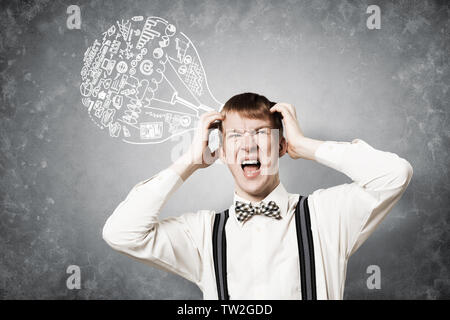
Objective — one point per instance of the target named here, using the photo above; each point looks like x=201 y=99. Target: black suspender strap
x=220 y=254
x=305 y=250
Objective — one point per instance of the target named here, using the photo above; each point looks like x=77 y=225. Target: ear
x=282 y=147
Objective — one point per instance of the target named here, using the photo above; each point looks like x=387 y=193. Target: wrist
x=185 y=166
x=306 y=147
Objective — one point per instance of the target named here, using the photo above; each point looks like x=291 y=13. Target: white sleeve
x=347 y=214
x=170 y=244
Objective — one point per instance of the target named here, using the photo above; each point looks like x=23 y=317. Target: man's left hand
x=293 y=133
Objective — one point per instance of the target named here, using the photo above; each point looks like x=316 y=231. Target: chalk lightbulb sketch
x=144 y=82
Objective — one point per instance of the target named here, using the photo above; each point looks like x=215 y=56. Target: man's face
x=251 y=149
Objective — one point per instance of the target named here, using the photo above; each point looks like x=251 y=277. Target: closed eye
x=234 y=135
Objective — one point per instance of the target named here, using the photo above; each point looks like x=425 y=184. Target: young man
x=262 y=247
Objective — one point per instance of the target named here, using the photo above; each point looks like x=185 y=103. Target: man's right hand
x=199 y=154
x=199 y=151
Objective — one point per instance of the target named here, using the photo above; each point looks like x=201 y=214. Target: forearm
x=184 y=167
x=370 y=168
x=135 y=230
x=138 y=213
x=350 y=212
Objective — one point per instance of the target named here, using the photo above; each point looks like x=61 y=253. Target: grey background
x=61 y=176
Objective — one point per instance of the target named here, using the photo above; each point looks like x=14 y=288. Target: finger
x=207 y=123
x=290 y=110
x=285 y=112
x=288 y=107
x=208 y=114
x=215 y=122
x=206 y=118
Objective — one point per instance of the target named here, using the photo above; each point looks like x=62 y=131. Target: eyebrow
x=256 y=129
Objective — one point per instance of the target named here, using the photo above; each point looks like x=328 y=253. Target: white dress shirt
x=262 y=252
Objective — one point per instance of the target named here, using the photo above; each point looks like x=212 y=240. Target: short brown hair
x=253 y=106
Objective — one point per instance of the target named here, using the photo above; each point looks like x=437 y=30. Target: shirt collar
x=279 y=195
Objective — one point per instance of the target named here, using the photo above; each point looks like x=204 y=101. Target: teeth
x=250 y=162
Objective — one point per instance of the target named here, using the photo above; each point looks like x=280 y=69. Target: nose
x=249 y=144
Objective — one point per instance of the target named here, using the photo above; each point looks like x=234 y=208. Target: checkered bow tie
x=245 y=211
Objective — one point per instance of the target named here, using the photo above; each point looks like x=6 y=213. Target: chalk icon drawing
x=143 y=81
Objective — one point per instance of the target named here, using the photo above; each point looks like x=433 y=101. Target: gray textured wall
x=61 y=176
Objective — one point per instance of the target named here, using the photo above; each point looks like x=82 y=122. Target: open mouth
x=251 y=168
